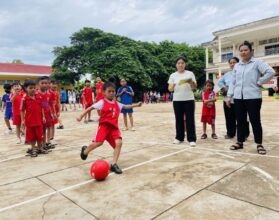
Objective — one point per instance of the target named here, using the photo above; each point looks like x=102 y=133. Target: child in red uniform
x=208 y=109
x=46 y=101
x=32 y=116
x=15 y=98
x=87 y=98
x=53 y=88
x=108 y=124
x=52 y=104
x=99 y=89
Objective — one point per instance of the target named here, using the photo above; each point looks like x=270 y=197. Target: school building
x=263 y=34
x=10 y=73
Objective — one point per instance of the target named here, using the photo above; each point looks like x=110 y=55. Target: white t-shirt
x=100 y=104
x=72 y=96
x=182 y=89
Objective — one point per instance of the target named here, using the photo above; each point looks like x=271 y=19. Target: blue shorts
x=8 y=115
x=127 y=111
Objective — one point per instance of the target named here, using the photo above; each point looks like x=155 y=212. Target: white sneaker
x=192 y=144
x=133 y=129
x=9 y=132
x=19 y=141
x=176 y=141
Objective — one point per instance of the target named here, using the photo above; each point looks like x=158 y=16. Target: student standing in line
x=7 y=105
x=16 y=97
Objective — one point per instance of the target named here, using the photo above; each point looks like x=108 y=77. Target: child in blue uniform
x=126 y=93
x=6 y=103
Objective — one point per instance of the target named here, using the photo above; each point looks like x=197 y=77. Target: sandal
x=261 y=149
x=214 y=136
x=237 y=146
x=204 y=136
x=42 y=151
x=34 y=153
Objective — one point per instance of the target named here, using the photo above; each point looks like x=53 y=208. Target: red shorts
x=209 y=119
x=16 y=120
x=49 y=121
x=33 y=134
x=55 y=121
x=88 y=105
x=107 y=133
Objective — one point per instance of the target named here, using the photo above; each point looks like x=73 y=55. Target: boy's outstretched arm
x=84 y=113
x=132 y=106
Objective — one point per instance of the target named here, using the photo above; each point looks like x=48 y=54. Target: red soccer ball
x=100 y=170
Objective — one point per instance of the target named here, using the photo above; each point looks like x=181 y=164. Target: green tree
x=145 y=65
x=17 y=61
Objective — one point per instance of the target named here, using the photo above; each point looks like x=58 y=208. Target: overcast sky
x=30 y=29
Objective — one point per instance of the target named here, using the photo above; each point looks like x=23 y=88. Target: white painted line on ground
x=85 y=182
x=167 y=144
x=12 y=158
x=267 y=175
x=224 y=155
x=213 y=150
x=22 y=156
x=238 y=152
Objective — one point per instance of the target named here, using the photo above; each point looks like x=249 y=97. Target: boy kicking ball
x=108 y=125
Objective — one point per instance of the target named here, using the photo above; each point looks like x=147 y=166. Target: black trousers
x=253 y=108
x=230 y=119
x=230 y=116
x=187 y=108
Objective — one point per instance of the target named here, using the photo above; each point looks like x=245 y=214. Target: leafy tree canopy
x=145 y=65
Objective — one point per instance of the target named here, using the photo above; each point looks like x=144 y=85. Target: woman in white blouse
x=182 y=83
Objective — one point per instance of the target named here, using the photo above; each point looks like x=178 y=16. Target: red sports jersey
x=56 y=100
x=52 y=100
x=87 y=93
x=110 y=113
x=16 y=104
x=22 y=92
x=47 y=100
x=99 y=91
x=33 y=110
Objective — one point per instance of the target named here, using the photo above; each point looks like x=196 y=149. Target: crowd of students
x=156 y=97
x=34 y=110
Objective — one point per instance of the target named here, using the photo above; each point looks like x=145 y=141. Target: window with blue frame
x=226 y=57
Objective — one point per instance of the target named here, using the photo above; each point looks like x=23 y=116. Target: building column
x=206 y=57
x=220 y=49
x=207 y=76
x=234 y=54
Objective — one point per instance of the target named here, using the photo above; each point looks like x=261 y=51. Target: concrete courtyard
x=160 y=180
